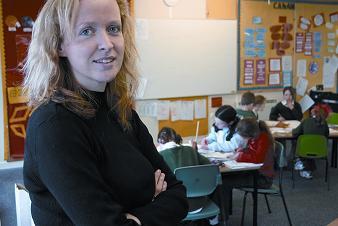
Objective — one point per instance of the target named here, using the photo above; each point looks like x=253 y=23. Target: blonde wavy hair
x=49 y=77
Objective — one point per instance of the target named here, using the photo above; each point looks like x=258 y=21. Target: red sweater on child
x=258 y=150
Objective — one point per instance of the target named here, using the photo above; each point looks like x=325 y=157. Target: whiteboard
x=179 y=58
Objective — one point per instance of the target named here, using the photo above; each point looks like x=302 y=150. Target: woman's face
x=220 y=124
x=287 y=95
x=96 y=51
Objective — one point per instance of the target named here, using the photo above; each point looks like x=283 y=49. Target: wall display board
x=17 y=21
x=288 y=44
x=179 y=58
x=187 y=127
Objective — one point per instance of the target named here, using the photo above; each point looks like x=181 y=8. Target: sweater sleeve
x=170 y=206
x=256 y=150
x=274 y=113
x=227 y=146
x=67 y=167
x=297 y=111
x=299 y=130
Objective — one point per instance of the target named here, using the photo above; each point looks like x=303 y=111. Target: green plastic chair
x=332 y=119
x=275 y=190
x=200 y=181
x=313 y=147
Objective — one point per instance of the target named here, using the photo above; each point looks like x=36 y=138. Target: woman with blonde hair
x=89 y=159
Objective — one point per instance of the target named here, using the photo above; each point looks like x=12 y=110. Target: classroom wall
x=231 y=99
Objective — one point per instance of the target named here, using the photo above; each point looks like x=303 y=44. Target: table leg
x=255 y=200
x=223 y=217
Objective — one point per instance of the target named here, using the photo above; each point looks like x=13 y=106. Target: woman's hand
x=160 y=183
x=132 y=217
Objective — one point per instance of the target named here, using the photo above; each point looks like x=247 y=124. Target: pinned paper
x=200 y=108
x=306 y=102
x=330 y=66
x=329 y=25
x=187 y=110
x=286 y=63
x=301 y=68
x=275 y=64
x=163 y=110
x=274 y=79
x=301 y=86
x=287 y=79
x=175 y=110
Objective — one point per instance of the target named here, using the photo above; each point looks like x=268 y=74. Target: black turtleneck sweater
x=90 y=172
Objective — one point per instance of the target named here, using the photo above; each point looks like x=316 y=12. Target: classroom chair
x=312 y=147
x=200 y=181
x=332 y=119
x=275 y=190
x=23 y=206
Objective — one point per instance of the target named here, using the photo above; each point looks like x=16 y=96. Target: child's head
x=167 y=134
x=320 y=112
x=248 y=100
x=259 y=102
x=224 y=116
x=248 y=128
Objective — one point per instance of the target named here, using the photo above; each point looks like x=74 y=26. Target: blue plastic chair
x=275 y=190
x=200 y=181
x=313 y=147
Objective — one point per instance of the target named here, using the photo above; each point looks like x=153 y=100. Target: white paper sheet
x=306 y=102
x=275 y=64
x=301 y=86
x=287 y=63
x=330 y=66
x=301 y=68
x=187 y=110
x=200 y=108
x=163 y=110
x=274 y=79
x=175 y=110
x=146 y=108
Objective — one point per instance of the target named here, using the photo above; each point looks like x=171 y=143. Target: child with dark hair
x=259 y=149
x=247 y=106
x=175 y=154
x=316 y=124
x=223 y=136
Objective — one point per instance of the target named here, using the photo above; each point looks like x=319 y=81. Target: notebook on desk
x=233 y=164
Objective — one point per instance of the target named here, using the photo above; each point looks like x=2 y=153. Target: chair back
x=311 y=146
x=23 y=206
x=280 y=154
x=333 y=118
x=199 y=180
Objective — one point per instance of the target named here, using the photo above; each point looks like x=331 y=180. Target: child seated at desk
x=259 y=149
x=223 y=136
x=175 y=154
x=247 y=106
x=316 y=124
x=259 y=104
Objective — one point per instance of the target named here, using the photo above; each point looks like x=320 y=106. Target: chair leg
x=243 y=208
x=293 y=177
x=286 y=209
x=267 y=203
x=327 y=179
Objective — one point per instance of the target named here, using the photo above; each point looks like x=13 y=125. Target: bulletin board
x=187 y=128
x=274 y=36
x=324 y=43
x=17 y=20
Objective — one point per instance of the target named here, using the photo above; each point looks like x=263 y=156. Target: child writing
x=223 y=136
x=175 y=154
x=316 y=124
x=259 y=149
x=247 y=106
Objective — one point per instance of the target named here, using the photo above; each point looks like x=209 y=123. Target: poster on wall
x=248 y=72
x=260 y=71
